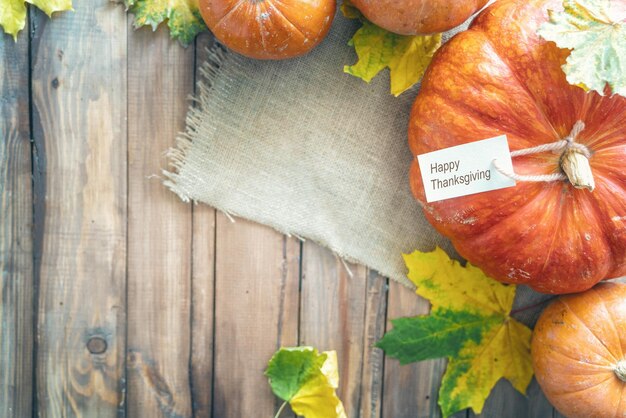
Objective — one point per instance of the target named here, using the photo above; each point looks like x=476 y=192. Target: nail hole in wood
x=97 y=345
x=55 y=83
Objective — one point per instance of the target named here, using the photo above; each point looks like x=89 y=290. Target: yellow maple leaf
x=470 y=324
x=407 y=57
x=13 y=12
x=447 y=284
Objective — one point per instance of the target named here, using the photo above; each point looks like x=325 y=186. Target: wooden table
x=120 y=300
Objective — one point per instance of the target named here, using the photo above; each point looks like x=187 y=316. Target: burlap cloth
x=308 y=150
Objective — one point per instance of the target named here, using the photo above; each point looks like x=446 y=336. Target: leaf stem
x=526 y=308
x=280 y=410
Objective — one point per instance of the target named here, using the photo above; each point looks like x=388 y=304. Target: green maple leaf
x=470 y=324
x=595 y=32
x=307 y=380
x=183 y=17
x=13 y=12
x=407 y=57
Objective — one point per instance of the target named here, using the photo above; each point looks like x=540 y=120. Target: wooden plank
x=410 y=391
x=334 y=316
x=538 y=405
x=256 y=312
x=79 y=129
x=160 y=78
x=505 y=401
x=203 y=283
x=202 y=314
x=373 y=358
x=16 y=257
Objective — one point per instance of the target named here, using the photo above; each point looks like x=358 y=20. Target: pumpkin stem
x=620 y=370
x=576 y=167
x=575 y=161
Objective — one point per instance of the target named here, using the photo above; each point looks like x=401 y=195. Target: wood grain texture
x=16 y=211
x=160 y=78
x=538 y=405
x=256 y=308
x=410 y=391
x=505 y=401
x=202 y=314
x=373 y=358
x=79 y=120
x=209 y=300
x=334 y=316
x=203 y=286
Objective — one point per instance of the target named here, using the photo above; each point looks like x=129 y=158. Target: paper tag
x=466 y=169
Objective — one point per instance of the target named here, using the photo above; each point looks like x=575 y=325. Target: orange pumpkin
x=412 y=17
x=579 y=352
x=269 y=29
x=499 y=78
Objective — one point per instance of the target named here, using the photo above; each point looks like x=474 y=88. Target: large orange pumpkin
x=412 y=17
x=498 y=78
x=579 y=352
x=269 y=29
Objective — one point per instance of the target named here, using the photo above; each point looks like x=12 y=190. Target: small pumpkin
x=579 y=352
x=413 y=17
x=500 y=77
x=269 y=29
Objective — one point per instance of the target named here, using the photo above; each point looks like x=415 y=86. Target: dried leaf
x=595 y=32
x=182 y=16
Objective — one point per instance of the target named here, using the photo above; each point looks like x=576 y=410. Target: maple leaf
x=13 y=12
x=595 y=32
x=407 y=57
x=307 y=380
x=183 y=17
x=470 y=324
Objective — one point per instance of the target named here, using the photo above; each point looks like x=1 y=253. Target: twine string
x=563 y=145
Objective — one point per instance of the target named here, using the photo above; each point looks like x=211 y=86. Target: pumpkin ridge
x=602 y=305
x=475 y=235
x=600 y=216
x=531 y=201
x=609 y=148
x=613 y=359
x=434 y=89
x=557 y=222
x=546 y=120
x=261 y=24
x=282 y=15
x=472 y=113
x=610 y=316
x=594 y=140
x=229 y=12
x=603 y=368
x=579 y=391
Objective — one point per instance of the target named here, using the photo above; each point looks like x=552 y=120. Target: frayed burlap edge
x=177 y=156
